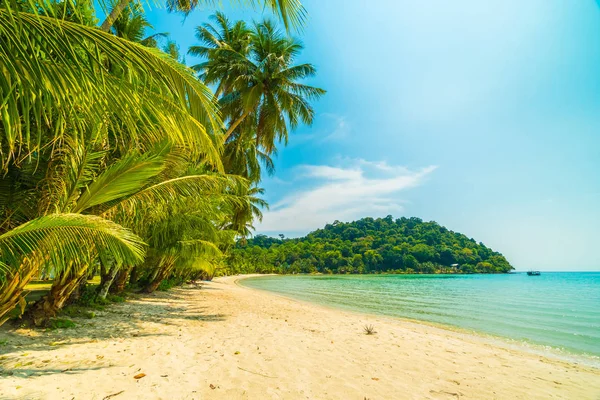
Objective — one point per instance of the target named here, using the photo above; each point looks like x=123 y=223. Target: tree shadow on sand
x=32 y=372
x=139 y=317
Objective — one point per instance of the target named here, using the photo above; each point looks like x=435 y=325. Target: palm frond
x=55 y=71
x=290 y=12
x=123 y=178
x=62 y=239
x=210 y=187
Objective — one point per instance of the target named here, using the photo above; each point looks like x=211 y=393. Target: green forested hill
x=404 y=245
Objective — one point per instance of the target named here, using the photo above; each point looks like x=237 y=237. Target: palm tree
x=244 y=157
x=62 y=240
x=76 y=101
x=291 y=12
x=259 y=82
x=233 y=39
x=107 y=145
x=132 y=25
x=180 y=190
x=67 y=79
x=137 y=191
x=181 y=234
x=245 y=213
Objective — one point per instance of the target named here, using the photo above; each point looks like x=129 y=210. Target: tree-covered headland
x=367 y=246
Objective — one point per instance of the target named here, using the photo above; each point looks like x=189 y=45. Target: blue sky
x=481 y=115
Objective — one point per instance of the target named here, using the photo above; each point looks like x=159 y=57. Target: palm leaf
x=63 y=77
x=291 y=12
x=213 y=187
x=123 y=178
x=65 y=239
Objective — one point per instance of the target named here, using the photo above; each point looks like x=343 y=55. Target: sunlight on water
x=560 y=310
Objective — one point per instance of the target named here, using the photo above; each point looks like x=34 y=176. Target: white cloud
x=331 y=173
x=361 y=188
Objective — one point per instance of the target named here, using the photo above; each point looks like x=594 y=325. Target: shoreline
x=232 y=342
x=558 y=354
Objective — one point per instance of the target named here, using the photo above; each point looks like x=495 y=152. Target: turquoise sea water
x=560 y=310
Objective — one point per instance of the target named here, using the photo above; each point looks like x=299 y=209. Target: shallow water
x=558 y=309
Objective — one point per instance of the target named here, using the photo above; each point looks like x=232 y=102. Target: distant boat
x=533 y=273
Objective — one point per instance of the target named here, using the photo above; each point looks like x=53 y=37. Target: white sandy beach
x=225 y=341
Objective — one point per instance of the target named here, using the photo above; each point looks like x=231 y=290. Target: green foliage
x=61 y=323
x=54 y=79
x=112 y=152
x=169 y=283
x=260 y=90
x=77 y=311
x=369 y=330
x=113 y=298
x=88 y=303
x=382 y=245
x=65 y=238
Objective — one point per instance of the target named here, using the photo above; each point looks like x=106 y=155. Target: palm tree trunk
x=79 y=289
x=107 y=281
x=153 y=285
x=235 y=125
x=104 y=273
x=134 y=276
x=163 y=273
x=114 y=14
x=120 y=281
x=62 y=288
x=11 y=292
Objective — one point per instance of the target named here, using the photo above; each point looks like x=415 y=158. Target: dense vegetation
x=118 y=160
x=404 y=245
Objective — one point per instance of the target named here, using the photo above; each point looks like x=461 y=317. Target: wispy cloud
x=354 y=190
x=337 y=129
x=341 y=128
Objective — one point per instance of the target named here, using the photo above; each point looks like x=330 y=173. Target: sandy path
x=230 y=342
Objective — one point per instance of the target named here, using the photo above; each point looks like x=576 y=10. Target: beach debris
x=213 y=387
x=375 y=379
x=139 y=376
x=257 y=373
x=110 y=396
x=236 y=353
x=369 y=329
x=457 y=395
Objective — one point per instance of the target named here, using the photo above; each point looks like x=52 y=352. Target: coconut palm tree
x=136 y=191
x=178 y=188
x=179 y=235
x=244 y=157
x=233 y=39
x=291 y=12
x=62 y=241
x=245 y=213
x=259 y=84
x=66 y=79
x=76 y=101
x=132 y=25
x=106 y=146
